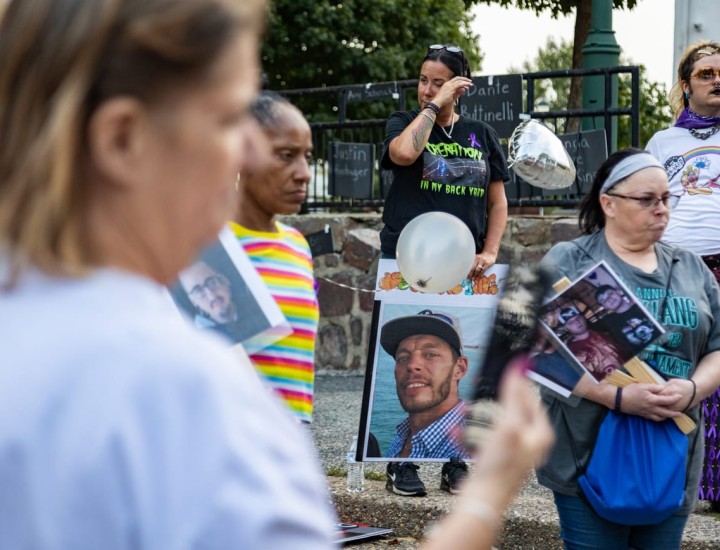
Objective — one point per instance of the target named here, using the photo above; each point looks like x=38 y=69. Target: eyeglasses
x=211 y=284
x=447 y=47
x=706 y=74
x=650 y=201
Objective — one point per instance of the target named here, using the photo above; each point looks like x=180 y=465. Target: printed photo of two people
x=597 y=323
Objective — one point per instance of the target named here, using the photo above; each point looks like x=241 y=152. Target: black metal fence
x=350 y=179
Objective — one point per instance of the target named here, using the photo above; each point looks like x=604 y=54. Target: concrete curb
x=530 y=523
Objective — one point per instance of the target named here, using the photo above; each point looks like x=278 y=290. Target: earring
x=237 y=182
x=687 y=95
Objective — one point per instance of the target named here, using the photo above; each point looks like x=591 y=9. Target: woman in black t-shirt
x=444 y=162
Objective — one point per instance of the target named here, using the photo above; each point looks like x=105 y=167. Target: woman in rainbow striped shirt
x=279 y=252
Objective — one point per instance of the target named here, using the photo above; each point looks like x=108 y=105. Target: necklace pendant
x=452 y=127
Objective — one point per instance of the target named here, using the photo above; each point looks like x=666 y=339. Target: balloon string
x=345 y=286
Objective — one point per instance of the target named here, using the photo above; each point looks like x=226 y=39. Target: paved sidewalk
x=530 y=523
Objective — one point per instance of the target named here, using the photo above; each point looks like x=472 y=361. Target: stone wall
x=347 y=277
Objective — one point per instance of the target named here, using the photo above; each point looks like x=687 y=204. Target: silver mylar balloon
x=538 y=156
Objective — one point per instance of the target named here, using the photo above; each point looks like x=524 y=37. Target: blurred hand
x=520 y=441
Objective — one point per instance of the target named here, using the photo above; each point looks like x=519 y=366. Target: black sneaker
x=453 y=473
x=402 y=479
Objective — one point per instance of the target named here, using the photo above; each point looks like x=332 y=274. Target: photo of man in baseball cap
x=429 y=364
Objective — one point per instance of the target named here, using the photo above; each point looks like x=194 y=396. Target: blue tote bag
x=636 y=474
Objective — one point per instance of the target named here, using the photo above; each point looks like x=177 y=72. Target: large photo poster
x=424 y=356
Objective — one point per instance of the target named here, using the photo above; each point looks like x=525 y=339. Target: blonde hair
x=61 y=59
x=695 y=51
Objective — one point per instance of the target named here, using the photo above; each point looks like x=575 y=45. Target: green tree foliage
x=317 y=43
x=555 y=7
x=655 y=111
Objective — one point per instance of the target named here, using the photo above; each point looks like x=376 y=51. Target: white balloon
x=538 y=156
x=435 y=252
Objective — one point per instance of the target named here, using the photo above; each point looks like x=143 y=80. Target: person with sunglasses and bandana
x=622 y=220
x=442 y=161
x=690 y=152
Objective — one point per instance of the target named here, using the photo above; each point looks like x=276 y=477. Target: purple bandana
x=690 y=119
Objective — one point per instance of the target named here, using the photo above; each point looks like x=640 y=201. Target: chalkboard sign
x=321 y=242
x=367 y=92
x=495 y=100
x=352 y=170
x=588 y=150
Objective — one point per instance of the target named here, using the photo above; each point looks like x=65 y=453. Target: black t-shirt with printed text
x=451 y=175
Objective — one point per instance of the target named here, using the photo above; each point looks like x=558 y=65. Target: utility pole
x=600 y=50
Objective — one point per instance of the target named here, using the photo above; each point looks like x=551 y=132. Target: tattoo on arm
x=419 y=134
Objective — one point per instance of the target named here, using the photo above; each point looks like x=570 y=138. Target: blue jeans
x=583 y=529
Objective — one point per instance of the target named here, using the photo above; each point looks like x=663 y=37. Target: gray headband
x=628 y=166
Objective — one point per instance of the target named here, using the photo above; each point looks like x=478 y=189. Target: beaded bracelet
x=693 y=395
x=433 y=107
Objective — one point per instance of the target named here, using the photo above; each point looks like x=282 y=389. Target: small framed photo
x=598 y=323
x=222 y=292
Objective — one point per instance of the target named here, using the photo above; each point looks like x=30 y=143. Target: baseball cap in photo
x=436 y=323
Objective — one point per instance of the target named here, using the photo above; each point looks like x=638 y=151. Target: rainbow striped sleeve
x=284 y=263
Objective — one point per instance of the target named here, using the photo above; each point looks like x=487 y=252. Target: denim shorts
x=582 y=529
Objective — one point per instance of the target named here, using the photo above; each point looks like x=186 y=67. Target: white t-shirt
x=123 y=427
x=693 y=168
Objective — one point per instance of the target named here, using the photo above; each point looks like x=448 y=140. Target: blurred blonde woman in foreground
x=123 y=124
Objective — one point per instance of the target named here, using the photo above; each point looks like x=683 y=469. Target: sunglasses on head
x=706 y=74
x=447 y=47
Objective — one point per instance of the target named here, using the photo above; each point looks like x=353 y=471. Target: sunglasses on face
x=706 y=74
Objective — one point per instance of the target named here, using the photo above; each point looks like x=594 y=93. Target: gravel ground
x=531 y=522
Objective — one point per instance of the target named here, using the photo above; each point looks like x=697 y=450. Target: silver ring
x=478 y=266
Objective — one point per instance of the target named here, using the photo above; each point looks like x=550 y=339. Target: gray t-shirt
x=687 y=293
